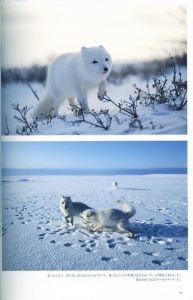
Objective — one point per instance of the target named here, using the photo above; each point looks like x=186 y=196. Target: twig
x=27 y=127
x=173 y=94
x=33 y=91
x=7 y=131
x=125 y=107
x=104 y=124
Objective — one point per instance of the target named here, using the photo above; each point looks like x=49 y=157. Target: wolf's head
x=97 y=61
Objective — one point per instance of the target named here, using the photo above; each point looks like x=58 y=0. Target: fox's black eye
x=106 y=59
x=94 y=61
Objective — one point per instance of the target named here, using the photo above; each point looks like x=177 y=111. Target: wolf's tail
x=127 y=208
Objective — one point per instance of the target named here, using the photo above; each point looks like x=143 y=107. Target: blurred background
x=140 y=38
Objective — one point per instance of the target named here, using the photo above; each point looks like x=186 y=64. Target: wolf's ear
x=83 y=51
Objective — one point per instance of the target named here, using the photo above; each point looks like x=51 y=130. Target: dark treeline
x=119 y=71
x=28 y=74
x=145 y=70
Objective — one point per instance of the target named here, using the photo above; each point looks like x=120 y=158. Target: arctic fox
x=71 y=209
x=71 y=76
x=115 y=185
x=110 y=218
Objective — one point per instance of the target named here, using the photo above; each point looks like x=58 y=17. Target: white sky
x=31 y=33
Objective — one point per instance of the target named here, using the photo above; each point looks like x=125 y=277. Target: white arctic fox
x=71 y=209
x=110 y=218
x=115 y=185
x=71 y=76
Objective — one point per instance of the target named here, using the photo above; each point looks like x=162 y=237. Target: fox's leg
x=74 y=108
x=124 y=227
x=82 y=100
x=45 y=108
x=71 y=101
x=93 y=227
x=69 y=220
x=102 y=90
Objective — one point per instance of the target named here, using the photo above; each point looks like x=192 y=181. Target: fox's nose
x=106 y=69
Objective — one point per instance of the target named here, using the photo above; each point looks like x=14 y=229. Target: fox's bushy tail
x=127 y=208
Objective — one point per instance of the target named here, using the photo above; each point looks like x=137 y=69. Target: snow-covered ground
x=157 y=120
x=35 y=236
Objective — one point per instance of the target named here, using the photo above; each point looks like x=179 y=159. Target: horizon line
x=92 y=171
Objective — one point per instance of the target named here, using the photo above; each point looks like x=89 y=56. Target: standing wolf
x=71 y=76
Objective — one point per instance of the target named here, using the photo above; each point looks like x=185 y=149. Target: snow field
x=35 y=236
x=157 y=120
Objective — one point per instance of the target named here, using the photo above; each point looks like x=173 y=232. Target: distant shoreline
x=99 y=172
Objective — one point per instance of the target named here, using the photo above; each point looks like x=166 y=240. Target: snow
x=157 y=120
x=35 y=236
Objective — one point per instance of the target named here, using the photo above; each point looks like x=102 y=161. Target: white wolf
x=71 y=76
x=110 y=219
x=71 y=209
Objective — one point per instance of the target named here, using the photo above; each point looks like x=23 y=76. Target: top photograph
x=93 y=68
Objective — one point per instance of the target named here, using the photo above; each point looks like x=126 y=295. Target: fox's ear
x=90 y=213
x=83 y=51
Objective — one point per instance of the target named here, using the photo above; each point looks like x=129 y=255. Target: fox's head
x=65 y=202
x=97 y=61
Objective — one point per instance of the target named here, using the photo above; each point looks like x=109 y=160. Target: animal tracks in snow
x=159 y=227
x=111 y=247
x=4 y=230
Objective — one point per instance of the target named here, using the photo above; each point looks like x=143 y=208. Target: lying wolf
x=110 y=218
x=71 y=209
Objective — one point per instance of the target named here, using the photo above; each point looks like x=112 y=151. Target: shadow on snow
x=159 y=230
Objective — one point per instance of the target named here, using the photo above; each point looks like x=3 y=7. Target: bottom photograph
x=94 y=206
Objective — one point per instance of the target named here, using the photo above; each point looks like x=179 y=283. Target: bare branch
x=28 y=127
x=173 y=94
x=33 y=91
x=7 y=131
x=101 y=119
x=128 y=108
